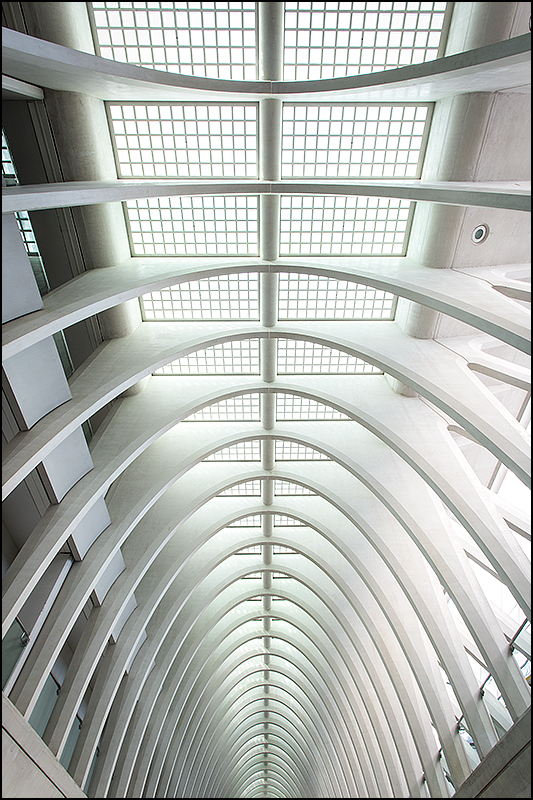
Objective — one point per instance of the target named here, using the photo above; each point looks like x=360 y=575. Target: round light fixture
x=480 y=233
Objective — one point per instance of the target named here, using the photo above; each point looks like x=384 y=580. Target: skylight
x=253 y=521
x=290 y=488
x=194 y=226
x=238 y=358
x=292 y=406
x=353 y=141
x=248 y=488
x=243 y=451
x=318 y=297
x=213 y=40
x=227 y=297
x=335 y=39
x=292 y=451
x=298 y=357
x=343 y=225
x=185 y=140
x=244 y=407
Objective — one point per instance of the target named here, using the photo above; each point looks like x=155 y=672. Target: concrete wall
x=506 y=771
x=29 y=769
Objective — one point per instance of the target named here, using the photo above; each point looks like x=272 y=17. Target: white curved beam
x=497 y=66
x=514 y=196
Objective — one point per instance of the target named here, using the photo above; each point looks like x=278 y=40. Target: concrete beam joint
x=267 y=487
x=269 y=299
x=269 y=357
x=270 y=41
x=268 y=410
x=268 y=454
x=269 y=230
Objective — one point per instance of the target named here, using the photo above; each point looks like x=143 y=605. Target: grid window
x=292 y=406
x=248 y=488
x=289 y=488
x=242 y=451
x=282 y=520
x=353 y=141
x=319 y=297
x=335 y=39
x=219 y=297
x=253 y=521
x=243 y=408
x=296 y=357
x=212 y=40
x=9 y=172
x=194 y=226
x=184 y=140
x=343 y=226
x=253 y=549
x=280 y=548
x=227 y=358
x=292 y=451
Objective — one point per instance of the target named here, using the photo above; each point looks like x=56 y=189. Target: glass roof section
x=353 y=141
x=282 y=520
x=222 y=297
x=184 y=140
x=335 y=39
x=194 y=226
x=292 y=451
x=343 y=225
x=212 y=40
x=290 y=488
x=245 y=407
x=242 y=451
x=292 y=406
x=248 y=488
x=253 y=521
x=299 y=357
x=318 y=297
x=238 y=358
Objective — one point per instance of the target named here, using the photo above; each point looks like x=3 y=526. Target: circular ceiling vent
x=480 y=233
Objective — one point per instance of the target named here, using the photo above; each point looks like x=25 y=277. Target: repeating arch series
x=325 y=648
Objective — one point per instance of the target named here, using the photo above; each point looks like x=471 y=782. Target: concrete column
x=267 y=524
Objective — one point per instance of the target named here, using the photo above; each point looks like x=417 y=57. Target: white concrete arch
x=331 y=678
x=122 y=445
x=423 y=365
x=487 y=68
x=458 y=295
x=88 y=588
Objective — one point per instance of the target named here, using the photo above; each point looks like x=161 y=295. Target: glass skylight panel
x=335 y=39
x=194 y=226
x=290 y=488
x=242 y=451
x=282 y=520
x=213 y=40
x=184 y=140
x=353 y=141
x=248 y=489
x=252 y=521
x=343 y=225
x=218 y=297
x=237 y=358
x=293 y=451
x=245 y=407
x=298 y=357
x=319 y=297
x=292 y=406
